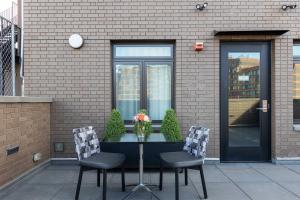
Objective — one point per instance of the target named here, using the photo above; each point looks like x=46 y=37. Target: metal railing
x=9 y=44
x=11 y=13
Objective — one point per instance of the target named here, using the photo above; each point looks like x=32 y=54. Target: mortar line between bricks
x=277 y=183
x=234 y=183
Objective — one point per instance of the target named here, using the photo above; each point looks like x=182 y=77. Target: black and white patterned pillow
x=86 y=141
x=196 y=141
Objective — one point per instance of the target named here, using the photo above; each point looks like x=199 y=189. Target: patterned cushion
x=196 y=141
x=86 y=141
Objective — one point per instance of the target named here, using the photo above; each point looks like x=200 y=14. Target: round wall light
x=75 y=41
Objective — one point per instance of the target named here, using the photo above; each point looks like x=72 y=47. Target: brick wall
x=80 y=80
x=26 y=125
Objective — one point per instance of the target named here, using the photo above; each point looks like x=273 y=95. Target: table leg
x=141 y=176
x=141 y=166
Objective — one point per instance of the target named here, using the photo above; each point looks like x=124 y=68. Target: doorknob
x=264 y=107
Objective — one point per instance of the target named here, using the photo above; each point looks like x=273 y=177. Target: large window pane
x=143 y=51
x=158 y=90
x=127 y=89
x=296 y=93
x=244 y=98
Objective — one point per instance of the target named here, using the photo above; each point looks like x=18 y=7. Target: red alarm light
x=198 y=46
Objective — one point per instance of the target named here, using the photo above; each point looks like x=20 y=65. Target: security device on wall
x=201 y=6
x=286 y=7
x=198 y=46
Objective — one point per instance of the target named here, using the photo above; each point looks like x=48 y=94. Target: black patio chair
x=192 y=156
x=90 y=158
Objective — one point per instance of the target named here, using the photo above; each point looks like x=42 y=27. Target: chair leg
x=98 y=177
x=123 y=179
x=160 y=177
x=104 y=184
x=79 y=183
x=203 y=181
x=176 y=184
x=186 y=176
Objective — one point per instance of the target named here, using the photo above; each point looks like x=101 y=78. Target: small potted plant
x=170 y=126
x=141 y=120
x=115 y=125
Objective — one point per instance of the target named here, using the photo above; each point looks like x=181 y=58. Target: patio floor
x=224 y=181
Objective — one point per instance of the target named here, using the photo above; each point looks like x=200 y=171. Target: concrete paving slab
x=185 y=192
x=280 y=174
x=211 y=174
x=266 y=190
x=295 y=168
x=220 y=191
x=34 y=192
x=294 y=187
x=53 y=177
x=244 y=175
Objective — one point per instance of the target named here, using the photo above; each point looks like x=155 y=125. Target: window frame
x=143 y=72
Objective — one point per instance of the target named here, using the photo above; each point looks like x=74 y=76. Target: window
x=143 y=76
x=296 y=97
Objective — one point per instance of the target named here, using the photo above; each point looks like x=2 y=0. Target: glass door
x=245 y=101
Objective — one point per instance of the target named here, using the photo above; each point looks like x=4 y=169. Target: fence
x=9 y=37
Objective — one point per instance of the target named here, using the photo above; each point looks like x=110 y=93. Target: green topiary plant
x=115 y=125
x=148 y=125
x=170 y=126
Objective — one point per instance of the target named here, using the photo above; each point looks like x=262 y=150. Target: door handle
x=263 y=109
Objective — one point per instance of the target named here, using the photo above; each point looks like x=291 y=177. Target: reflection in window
x=127 y=89
x=296 y=97
x=296 y=79
x=244 y=75
x=158 y=90
x=243 y=98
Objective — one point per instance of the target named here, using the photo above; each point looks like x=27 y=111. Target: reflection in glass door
x=245 y=101
x=243 y=98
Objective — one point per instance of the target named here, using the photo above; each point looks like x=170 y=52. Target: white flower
x=146 y=118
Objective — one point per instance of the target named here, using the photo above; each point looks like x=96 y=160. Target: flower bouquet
x=140 y=121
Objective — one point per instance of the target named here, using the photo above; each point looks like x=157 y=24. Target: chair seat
x=180 y=159
x=103 y=160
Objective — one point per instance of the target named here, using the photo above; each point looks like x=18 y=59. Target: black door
x=245 y=101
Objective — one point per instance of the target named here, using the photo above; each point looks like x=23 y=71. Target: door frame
x=224 y=147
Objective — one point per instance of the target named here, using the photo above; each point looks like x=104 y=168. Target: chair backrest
x=86 y=141
x=196 y=141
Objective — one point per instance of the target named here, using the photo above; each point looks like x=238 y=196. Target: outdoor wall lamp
x=285 y=7
x=201 y=6
x=75 y=41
